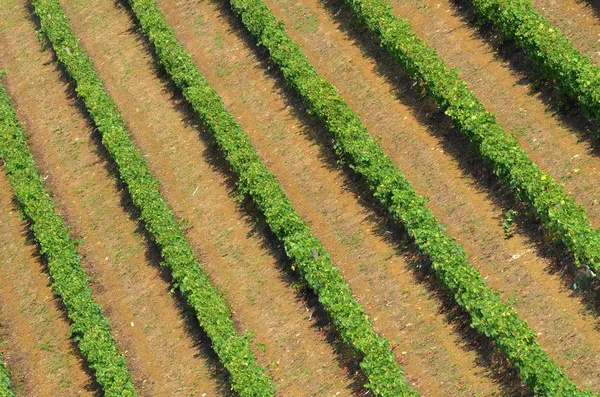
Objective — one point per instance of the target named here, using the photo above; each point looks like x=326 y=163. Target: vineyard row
x=306 y=253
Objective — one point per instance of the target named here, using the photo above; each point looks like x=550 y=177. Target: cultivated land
x=166 y=351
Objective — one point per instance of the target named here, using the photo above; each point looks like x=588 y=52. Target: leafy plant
x=508 y=219
x=553 y=54
x=5 y=383
x=211 y=309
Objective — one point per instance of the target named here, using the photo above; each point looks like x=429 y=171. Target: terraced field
x=316 y=198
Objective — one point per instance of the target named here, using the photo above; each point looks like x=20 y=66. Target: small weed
x=218 y=40
x=199 y=21
x=508 y=223
x=262 y=347
x=46 y=345
x=223 y=70
x=354 y=239
x=513 y=300
x=307 y=23
x=519 y=132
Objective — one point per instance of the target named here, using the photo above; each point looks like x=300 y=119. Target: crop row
x=212 y=311
x=307 y=255
x=89 y=327
x=489 y=315
x=553 y=54
x=564 y=220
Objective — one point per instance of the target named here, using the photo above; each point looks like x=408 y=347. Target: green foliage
x=489 y=315
x=553 y=54
x=378 y=362
x=247 y=376
x=5 y=384
x=508 y=220
x=89 y=327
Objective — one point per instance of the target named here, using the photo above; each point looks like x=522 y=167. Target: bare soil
x=292 y=337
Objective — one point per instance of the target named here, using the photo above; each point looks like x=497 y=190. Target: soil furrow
x=165 y=358
x=42 y=360
x=288 y=340
x=462 y=195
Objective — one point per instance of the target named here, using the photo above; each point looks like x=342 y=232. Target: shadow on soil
x=573 y=118
x=499 y=368
x=453 y=142
x=153 y=255
x=346 y=357
x=594 y=5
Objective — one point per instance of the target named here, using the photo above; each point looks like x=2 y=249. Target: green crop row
x=89 y=327
x=301 y=246
x=489 y=315
x=212 y=311
x=5 y=384
x=564 y=220
x=553 y=54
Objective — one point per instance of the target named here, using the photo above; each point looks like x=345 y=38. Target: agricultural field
x=315 y=198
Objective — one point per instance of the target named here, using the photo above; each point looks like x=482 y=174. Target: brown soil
x=461 y=193
x=164 y=356
x=288 y=338
x=42 y=360
x=293 y=339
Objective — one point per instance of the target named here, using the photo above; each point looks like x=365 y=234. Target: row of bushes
x=89 y=328
x=553 y=54
x=211 y=309
x=307 y=255
x=564 y=220
x=489 y=315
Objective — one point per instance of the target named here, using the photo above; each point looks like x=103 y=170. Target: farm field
x=295 y=335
